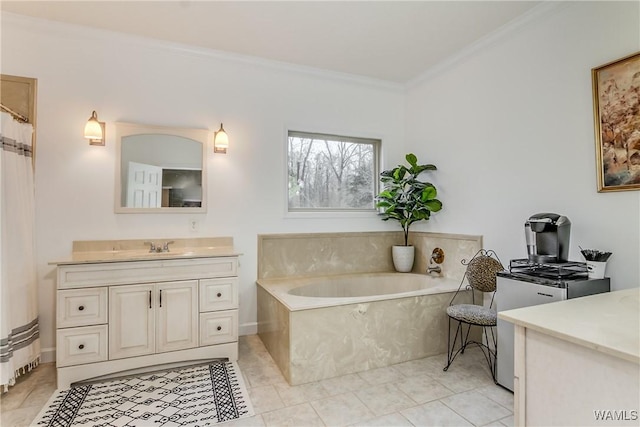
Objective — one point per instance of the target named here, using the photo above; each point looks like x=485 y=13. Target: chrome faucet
x=437 y=257
x=153 y=247
x=434 y=269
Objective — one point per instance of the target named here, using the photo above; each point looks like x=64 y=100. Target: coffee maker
x=547 y=236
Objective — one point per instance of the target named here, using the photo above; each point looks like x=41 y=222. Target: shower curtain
x=19 y=332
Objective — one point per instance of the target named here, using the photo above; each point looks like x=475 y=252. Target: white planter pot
x=403 y=258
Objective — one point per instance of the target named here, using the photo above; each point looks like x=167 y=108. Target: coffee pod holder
x=596 y=262
x=596 y=269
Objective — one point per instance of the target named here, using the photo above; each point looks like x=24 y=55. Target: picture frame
x=616 y=111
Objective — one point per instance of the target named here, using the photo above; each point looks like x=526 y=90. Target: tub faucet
x=434 y=269
x=437 y=257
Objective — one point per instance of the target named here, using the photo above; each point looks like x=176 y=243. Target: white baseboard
x=47 y=355
x=248 y=328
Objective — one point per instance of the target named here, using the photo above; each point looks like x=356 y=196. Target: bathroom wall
x=509 y=123
x=131 y=79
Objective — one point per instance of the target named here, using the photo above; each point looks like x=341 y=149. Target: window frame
x=374 y=141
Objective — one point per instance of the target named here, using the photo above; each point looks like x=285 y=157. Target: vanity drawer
x=76 y=346
x=119 y=273
x=82 y=307
x=218 y=327
x=218 y=294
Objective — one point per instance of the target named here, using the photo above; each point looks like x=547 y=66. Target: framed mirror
x=160 y=169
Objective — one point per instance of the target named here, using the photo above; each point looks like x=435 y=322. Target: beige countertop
x=120 y=256
x=608 y=322
x=98 y=251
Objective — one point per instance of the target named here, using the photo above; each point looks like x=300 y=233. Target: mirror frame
x=128 y=129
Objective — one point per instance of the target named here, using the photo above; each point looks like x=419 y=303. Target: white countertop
x=608 y=322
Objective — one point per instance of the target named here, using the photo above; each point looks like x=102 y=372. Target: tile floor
x=415 y=393
x=23 y=402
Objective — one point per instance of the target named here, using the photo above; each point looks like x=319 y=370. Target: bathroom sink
x=91 y=251
x=172 y=252
x=140 y=254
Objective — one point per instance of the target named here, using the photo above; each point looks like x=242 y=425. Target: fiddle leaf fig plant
x=404 y=197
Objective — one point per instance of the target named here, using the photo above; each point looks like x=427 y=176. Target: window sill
x=330 y=214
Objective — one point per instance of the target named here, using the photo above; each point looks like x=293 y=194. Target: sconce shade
x=94 y=130
x=220 y=141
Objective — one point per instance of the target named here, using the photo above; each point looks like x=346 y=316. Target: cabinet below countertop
x=129 y=316
x=577 y=362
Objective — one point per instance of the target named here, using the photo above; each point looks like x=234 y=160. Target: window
x=332 y=173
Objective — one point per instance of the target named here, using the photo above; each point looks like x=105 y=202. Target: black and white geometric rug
x=201 y=395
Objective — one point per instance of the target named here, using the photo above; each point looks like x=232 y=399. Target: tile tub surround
x=316 y=338
x=320 y=254
x=309 y=339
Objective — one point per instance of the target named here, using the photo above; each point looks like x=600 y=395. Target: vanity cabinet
x=115 y=317
x=147 y=319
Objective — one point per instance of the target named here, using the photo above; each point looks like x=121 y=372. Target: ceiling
x=390 y=40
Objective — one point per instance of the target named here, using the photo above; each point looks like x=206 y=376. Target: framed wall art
x=616 y=111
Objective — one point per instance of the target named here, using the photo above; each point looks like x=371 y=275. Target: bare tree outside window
x=329 y=172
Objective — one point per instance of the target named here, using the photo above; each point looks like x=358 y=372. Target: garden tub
x=322 y=327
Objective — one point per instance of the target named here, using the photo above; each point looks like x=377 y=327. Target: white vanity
x=121 y=308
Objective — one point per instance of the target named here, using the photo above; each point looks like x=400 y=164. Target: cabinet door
x=177 y=315
x=131 y=321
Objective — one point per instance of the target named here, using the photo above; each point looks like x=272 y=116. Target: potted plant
x=406 y=199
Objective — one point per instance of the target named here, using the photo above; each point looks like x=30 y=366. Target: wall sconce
x=94 y=130
x=220 y=141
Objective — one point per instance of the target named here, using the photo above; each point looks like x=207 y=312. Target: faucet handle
x=152 y=247
x=165 y=246
x=437 y=256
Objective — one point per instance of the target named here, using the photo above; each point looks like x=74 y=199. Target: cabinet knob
x=81 y=346
x=81 y=308
x=219 y=328
x=218 y=294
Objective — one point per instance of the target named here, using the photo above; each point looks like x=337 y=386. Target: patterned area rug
x=201 y=395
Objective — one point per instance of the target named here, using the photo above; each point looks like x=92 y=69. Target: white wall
x=132 y=80
x=510 y=127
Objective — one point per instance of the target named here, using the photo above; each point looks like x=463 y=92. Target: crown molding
x=79 y=32
x=517 y=24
